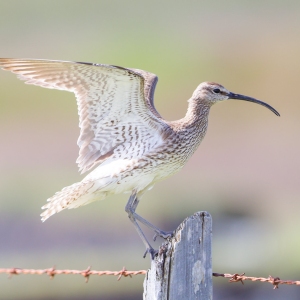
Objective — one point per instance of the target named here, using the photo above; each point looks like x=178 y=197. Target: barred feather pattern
x=66 y=198
x=110 y=100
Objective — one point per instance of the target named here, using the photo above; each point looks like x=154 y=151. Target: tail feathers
x=71 y=196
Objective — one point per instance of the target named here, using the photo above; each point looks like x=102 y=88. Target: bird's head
x=212 y=93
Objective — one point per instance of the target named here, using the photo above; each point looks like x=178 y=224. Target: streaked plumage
x=120 y=130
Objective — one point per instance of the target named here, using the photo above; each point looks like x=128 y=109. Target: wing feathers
x=110 y=99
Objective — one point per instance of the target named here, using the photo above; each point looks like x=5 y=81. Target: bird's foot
x=151 y=251
x=163 y=234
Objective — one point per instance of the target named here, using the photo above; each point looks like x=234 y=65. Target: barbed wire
x=51 y=272
x=85 y=273
x=275 y=281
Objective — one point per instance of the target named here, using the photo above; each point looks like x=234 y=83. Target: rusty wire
x=275 y=281
x=51 y=272
x=85 y=273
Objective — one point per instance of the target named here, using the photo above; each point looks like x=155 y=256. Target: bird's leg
x=135 y=203
x=132 y=205
x=158 y=232
x=130 y=208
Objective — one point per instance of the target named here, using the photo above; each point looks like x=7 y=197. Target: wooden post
x=183 y=268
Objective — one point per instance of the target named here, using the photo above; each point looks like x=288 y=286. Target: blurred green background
x=245 y=173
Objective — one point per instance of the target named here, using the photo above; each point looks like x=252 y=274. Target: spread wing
x=112 y=101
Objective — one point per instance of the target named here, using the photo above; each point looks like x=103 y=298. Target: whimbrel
x=121 y=132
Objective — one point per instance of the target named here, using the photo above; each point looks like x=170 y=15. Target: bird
x=122 y=137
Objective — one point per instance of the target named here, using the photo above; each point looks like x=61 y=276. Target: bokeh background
x=245 y=173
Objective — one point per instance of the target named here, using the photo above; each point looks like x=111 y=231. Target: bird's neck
x=197 y=114
x=191 y=129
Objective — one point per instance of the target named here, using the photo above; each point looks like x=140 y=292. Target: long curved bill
x=246 y=98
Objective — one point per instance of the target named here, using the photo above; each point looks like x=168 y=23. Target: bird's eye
x=216 y=91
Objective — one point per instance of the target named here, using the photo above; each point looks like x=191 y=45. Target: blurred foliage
x=245 y=173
